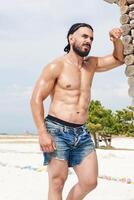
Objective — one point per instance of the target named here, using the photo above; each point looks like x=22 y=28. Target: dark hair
x=74 y=28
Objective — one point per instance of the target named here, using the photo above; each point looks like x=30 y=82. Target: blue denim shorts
x=72 y=143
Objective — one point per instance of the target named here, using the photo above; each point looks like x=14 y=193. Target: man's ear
x=71 y=39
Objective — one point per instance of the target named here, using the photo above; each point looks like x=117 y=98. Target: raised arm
x=43 y=88
x=116 y=58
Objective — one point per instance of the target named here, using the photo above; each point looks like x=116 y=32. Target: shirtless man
x=63 y=136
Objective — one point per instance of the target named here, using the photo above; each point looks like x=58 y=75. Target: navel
x=68 y=86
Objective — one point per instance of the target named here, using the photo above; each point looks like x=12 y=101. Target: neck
x=75 y=59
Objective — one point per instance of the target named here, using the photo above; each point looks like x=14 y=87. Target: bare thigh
x=57 y=169
x=87 y=170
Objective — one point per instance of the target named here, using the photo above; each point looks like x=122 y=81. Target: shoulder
x=92 y=61
x=54 y=68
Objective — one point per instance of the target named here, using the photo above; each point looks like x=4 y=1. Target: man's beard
x=79 y=52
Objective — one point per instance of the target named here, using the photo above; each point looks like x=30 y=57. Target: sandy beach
x=23 y=177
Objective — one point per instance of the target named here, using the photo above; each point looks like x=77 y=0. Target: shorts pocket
x=52 y=128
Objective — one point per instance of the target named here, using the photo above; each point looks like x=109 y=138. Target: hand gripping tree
x=127 y=25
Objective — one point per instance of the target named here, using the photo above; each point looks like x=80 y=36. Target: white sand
x=22 y=176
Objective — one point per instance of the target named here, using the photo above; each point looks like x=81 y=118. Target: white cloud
x=121 y=90
x=14 y=99
x=113 y=97
x=15 y=112
x=15 y=91
x=8 y=5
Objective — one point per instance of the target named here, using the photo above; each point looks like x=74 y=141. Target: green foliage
x=126 y=121
x=101 y=119
x=104 y=122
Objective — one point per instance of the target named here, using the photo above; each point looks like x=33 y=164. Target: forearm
x=45 y=140
x=118 y=50
x=38 y=115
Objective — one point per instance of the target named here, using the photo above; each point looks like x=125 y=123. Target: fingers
x=116 y=30
x=48 y=148
x=115 y=34
x=54 y=146
x=46 y=143
x=112 y=39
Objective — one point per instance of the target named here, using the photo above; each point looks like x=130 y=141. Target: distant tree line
x=103 y=123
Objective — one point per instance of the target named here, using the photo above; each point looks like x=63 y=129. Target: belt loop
x=84 y=127
x=63 y=127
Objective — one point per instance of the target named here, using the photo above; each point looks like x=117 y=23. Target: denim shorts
x=73 y=144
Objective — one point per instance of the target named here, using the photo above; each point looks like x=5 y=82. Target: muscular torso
x=71 y=93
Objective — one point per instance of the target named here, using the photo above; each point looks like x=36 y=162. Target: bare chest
x=75 y=79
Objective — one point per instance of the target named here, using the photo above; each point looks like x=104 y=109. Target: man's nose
x=88 y=40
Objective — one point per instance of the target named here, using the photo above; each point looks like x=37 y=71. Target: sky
x=32 y=34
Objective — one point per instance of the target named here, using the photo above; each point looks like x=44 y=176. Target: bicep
x=42 y=89
x=44 y=85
